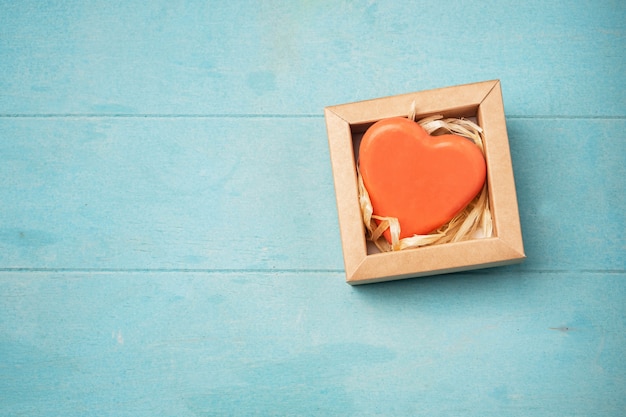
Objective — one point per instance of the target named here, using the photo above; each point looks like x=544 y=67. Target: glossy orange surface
x=422 y=180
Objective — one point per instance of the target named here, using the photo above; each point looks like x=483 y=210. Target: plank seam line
x=159 y=116
x=564 y=117
x=286 y=270
x=256 y=116
x=174 y=270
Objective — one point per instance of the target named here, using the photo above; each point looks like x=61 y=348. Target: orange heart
x=422 y=180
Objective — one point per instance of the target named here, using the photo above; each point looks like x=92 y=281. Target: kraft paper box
x=481 y=102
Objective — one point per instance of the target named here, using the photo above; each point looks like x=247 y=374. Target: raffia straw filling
x=474 y=220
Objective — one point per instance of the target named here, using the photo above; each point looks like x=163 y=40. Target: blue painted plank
x=570 y=178
x=272 y=57
x=167 y=193
x=548 y=344
x=257 y=193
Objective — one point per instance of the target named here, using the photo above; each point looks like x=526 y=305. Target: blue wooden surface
x=168 y=230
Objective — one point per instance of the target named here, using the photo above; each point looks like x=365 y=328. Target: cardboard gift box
x=481 y=102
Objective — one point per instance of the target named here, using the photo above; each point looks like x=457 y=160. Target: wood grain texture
x=168 y=232
x=554 y=58
x=307 y=344
x=257 y=193
x=252 y=193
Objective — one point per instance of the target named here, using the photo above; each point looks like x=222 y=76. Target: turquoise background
x=168 y=232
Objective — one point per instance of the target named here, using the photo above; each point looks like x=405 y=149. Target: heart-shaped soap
x=422 y=180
